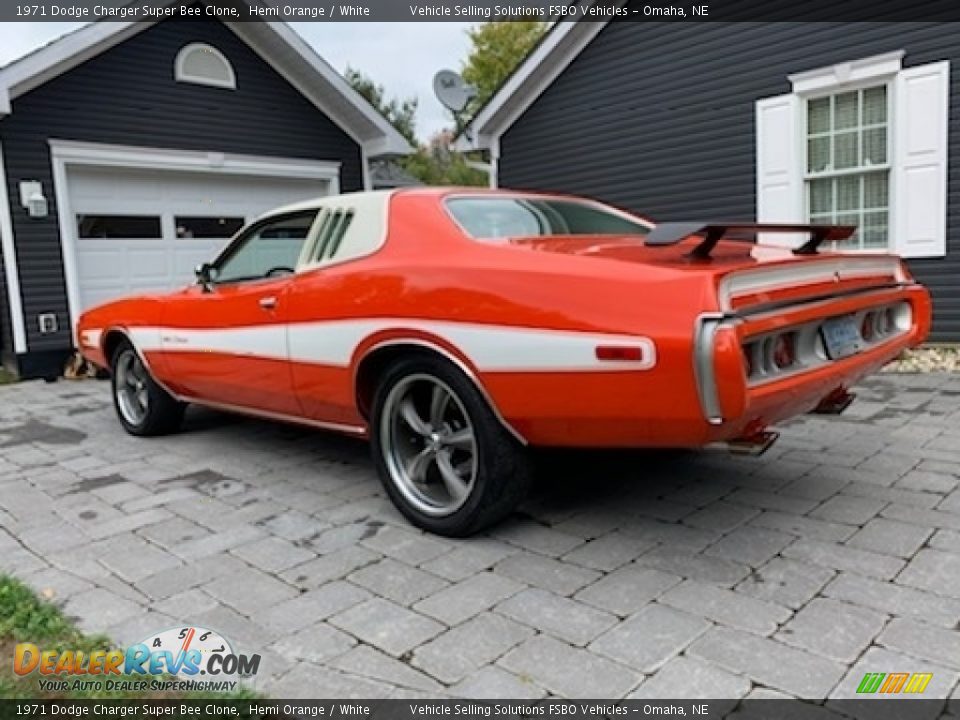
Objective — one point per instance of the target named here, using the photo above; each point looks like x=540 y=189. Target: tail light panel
x=793 y=349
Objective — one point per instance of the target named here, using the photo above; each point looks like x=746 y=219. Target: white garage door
x=145 y=230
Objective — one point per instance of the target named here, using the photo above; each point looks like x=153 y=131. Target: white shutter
x=919 y=207
x=779 y=166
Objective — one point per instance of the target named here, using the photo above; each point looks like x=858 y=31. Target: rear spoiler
x=673 y=232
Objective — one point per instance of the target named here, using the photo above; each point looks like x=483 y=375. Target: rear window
x=494 y=218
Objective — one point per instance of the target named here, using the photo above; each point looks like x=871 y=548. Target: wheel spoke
x=461 y=439
x=410 y=415
x=438 y=405
x=455 y=484
x=142 y=399
x=418 y=466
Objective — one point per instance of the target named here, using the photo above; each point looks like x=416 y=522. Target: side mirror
x=205 y=273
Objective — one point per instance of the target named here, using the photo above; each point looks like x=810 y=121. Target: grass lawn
x=26 y=618
x=6 y=377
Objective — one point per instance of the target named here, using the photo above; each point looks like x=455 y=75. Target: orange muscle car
x=457 y=326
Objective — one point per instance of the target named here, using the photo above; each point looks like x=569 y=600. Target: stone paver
x=726 y=607
x=561 y=617
x=568 y=671
x=650 y=638
x=388 y=626
x=836 y=630
x=769 y=662
x=689 y=574
x=459 y=652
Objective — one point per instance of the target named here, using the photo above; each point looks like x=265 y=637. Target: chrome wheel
x=429 y=444
x=130 y=386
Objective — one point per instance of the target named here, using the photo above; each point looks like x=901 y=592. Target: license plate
x=841 y=336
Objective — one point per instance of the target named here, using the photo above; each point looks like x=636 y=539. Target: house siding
x=659 y=118
x=127 y=96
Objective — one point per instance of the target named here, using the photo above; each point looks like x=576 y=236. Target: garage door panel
x=111 y=267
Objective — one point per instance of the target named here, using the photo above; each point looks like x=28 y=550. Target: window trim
x=858 y=74
x=180 y=75
x=806 y=176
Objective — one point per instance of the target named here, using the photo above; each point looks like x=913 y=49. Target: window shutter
x=919 y=222
x=779 y=166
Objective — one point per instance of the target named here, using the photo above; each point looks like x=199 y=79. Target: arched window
x=203 y=64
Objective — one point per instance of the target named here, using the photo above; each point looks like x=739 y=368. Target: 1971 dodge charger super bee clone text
x=457 y=326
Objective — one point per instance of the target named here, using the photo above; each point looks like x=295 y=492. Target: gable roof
x=542 y=65
x=275 y=42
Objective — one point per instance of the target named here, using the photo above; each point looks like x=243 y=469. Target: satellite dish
x=452 y=92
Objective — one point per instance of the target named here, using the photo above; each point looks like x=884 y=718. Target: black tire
x=162 y=415
x=503 y=470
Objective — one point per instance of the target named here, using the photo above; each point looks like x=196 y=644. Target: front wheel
x=143 y=407
x=444 y=458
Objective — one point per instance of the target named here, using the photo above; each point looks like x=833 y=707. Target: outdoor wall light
x=31 y=197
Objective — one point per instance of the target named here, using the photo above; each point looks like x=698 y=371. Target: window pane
x=875 y=146
x=846 y=111
x=845 y=150
x=207 y=227
x=818 y=116
x=821 y=197
x=875 y=105
x=505 y=217
x=874 y=230
x=119 y=226
x=821 y=219
x=273 y=246
x=848 y=193
x=818 y=154
x=876 y=190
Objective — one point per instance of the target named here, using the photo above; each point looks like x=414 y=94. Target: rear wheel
x=444 y=458
x=143 y=407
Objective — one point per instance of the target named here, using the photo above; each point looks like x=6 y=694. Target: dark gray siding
x=127 y=96
x=659 y=117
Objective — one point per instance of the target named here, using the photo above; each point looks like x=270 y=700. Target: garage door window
x=207 y=227
x=127 y=227
x=269 y=249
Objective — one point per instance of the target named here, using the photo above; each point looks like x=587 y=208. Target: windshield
x=494 y=218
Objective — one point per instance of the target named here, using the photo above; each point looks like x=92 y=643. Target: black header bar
x=481 y=10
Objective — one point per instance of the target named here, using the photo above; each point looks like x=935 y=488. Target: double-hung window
x=847 y=179
x=859 y=143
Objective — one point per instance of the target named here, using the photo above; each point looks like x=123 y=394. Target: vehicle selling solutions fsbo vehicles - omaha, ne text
x=455 y=327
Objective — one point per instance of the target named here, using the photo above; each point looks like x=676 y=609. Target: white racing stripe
x=492 y=348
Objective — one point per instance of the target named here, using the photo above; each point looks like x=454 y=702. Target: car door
x=226 y=342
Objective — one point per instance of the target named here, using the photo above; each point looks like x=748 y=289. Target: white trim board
x=11 y=269
x=560 y=47
x=64 y=153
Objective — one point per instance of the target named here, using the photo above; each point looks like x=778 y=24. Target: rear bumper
x=741 y=408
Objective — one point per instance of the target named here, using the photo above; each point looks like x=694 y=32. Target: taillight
x=784 y=350
x=889 y=320
x=867 y=327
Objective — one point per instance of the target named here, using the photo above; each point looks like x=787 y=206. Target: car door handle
x=268 y=303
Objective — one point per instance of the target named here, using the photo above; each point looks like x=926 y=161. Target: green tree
x=401 y=113
x=497 y=49
x=437 y=164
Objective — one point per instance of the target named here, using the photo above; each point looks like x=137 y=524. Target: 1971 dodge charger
x=455 y=327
